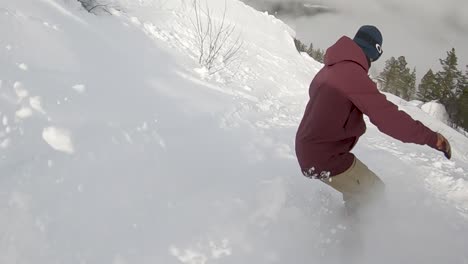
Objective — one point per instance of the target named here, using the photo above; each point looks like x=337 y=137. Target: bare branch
x=214 y=38
x=93 y=5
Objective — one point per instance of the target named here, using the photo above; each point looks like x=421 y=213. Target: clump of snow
x=436 y=110
x=5 y=143
x=135 y=20
x=58 y=138
x=203 y=72
x=23 y=66
x=19 y=200
x=21 y=92
x=23 y=113
x=35 y=103
x=79 y=88
x=213 y=250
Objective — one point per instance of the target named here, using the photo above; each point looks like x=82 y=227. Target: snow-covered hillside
x=116 y=146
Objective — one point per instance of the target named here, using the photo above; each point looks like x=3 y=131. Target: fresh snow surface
x=436 y=110
x=132 y=153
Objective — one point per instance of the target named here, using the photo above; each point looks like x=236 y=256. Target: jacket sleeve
x=363 y=92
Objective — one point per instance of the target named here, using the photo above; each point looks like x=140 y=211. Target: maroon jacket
x=333 y=120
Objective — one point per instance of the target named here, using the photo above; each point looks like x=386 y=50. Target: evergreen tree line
x=449 y=86
x=316 y=54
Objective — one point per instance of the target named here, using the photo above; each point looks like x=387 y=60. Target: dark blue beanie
x=370 y=40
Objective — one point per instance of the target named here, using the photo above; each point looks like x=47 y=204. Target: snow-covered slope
x=117 y=147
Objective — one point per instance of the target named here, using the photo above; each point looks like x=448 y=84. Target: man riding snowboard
x=340 y=94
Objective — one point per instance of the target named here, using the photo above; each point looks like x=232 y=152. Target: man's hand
x=444 y=146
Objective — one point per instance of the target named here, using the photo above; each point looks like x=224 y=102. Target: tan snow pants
x=359 y=185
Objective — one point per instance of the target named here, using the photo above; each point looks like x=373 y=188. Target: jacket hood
x=345 y=49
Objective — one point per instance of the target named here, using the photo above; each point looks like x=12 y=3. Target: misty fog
x=423 y=31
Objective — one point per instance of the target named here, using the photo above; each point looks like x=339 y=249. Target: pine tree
x=316 y=54
x=412 y=85
x=301 y=47
x=387 y=77
x=428 y=88
x=397 y=78
x=462 y=117
x=405 y=84
x=449 y=77
x=450 y=82
x=310 y=50
x=319 y=55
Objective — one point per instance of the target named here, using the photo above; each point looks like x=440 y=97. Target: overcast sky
x=421 y=30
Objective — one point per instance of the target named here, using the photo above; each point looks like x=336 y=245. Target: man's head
x=370 y=40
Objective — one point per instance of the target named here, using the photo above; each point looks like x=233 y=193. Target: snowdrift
x=436 y=110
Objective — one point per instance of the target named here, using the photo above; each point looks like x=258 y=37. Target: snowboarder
x=340 y=94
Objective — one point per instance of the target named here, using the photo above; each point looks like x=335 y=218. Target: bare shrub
x=96 y=6
x=216 y=41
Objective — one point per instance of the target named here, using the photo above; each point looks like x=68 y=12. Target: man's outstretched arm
x=388 y=118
